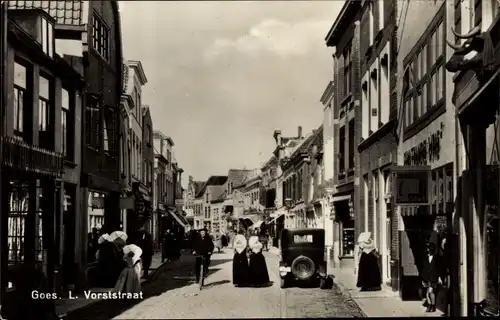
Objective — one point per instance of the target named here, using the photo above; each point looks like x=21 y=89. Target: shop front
x=343 y=230
x=477 y=105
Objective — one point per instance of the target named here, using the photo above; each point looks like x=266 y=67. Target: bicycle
x=202 y=269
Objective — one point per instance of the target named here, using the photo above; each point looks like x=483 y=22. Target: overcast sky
x=222 y=76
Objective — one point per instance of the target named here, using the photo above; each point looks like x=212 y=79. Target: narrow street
x=172 y=294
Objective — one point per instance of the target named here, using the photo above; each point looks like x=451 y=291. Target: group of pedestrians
x=123 y=260
x=172 y=243
x=434 y=270
x=249 y=264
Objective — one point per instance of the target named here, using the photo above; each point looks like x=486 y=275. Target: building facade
x=39 y=181
x=167 y=214
x=426 y=135
x=96 y=27
x=477 y=175
x=377 y=143
x=213 y=189
x=233 y=201
x=133 y=188
x=344 y=36
x=327 y=99
x=145 y=211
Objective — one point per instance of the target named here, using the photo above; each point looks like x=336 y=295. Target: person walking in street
x=241 y=269
x=369 y=278
x=129 y=280
x=259 y=276
x=144 y=240
x=203 y=248
x=223 y=240
x=167 y=243
x=430 y=275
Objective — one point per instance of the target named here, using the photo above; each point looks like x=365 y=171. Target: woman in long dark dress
x=240 y=262
x=369 y=278
x=259 y=276
x=430 y=275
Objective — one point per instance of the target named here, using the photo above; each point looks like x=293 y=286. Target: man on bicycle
x=203 y=247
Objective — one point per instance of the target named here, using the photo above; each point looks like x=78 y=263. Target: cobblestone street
x=172 y=294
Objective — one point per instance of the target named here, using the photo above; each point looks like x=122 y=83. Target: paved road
x=173 y=294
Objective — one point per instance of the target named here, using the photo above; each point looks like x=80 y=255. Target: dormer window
x=47 y=36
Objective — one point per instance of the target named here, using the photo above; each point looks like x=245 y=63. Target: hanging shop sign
x=425 y=152
x=412 y=185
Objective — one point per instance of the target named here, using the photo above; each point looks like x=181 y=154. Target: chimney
x=277 y=137
x=299 y=132
x=190 y=179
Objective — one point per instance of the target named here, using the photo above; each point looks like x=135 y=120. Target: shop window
x=67 y=123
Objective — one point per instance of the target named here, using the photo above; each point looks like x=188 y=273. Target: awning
x=341 y=198
x=257 y=224
x=275 y=218
x=180 y=219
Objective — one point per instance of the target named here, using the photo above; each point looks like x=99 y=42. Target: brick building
x=377 y=144
x=426 y=133
x=39 y=155
x=477 y=168
x=344 y=37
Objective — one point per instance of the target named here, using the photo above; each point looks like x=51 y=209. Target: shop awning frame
x=178 y=218
x=257 y=224
x=276 y=218
x=341 y=198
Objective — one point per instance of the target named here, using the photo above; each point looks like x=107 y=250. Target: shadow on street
x=160 y=282
x=219 y=262
x=215 y=284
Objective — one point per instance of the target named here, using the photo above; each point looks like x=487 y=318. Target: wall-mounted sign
x=412 y=185
x=426 y=151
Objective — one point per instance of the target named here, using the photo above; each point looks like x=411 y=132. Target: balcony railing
x=19 y=155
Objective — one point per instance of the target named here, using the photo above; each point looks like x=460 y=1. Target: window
x=105 y=137
x=44 y=104
x=351 y=144
x=430 y=90
x=381 y=17
x=93 y=122
x=100 y=37
x=67 y=110
x=46 y=36
x=341 y=149
x=147 y=133
x=20 y=87
x=347 y=69
x=371 y=23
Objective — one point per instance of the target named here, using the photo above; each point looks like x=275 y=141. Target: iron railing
x=22 y=156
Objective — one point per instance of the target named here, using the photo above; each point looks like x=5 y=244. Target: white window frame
x=365 y=107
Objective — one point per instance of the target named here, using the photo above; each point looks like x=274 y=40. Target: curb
x=344 y=291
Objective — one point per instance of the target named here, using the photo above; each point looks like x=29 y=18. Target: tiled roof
x=237 y=176
x=64 y=12
x=216 y=180
x=315 y=138
x=199 y=188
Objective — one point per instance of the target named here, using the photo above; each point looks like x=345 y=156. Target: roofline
x=327 y=93
x=136 y=64
x=171 y=141
x=332 y=34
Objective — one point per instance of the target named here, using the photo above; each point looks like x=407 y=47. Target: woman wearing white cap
x=259 y=276
x=240 y=260
x=369 y=278
x=129 y=280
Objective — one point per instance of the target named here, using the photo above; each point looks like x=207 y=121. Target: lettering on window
x=303 y=238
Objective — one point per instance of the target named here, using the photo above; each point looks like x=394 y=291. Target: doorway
x=68 y=236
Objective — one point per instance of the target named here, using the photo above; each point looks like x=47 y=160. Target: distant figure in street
x=166 y=248
x=144 y=240
x=223 y=240
x=241 y=271
x=369 y=278
x=258 y=274
x=204 y=248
